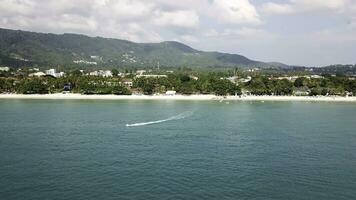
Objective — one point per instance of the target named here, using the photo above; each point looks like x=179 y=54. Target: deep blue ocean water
x=74 y=149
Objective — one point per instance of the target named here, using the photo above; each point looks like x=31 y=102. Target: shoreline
x=60 y=96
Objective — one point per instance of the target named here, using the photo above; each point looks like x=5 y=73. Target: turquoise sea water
x=242 y=150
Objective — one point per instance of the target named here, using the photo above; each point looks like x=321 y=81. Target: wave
x=176 y=117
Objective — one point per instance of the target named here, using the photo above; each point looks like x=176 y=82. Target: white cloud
x=211 y=33
x=352 y=23
x=135 y=32
x=179 y=18
x=11 y=7
x=275 y=8
x=320 y=4
x=302 y=6
x=243 y=33
x=125 y=10
x=333 y=36
x=235 y=12
x=73 y=23
x=68 y=22
x=248 y=33
x=189 y=38
x=183 y=4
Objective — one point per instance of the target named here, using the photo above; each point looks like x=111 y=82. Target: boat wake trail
x=176 y=117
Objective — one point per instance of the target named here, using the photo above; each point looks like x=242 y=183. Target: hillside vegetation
x=23 y=48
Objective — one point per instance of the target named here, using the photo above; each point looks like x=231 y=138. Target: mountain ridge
x=21 y=48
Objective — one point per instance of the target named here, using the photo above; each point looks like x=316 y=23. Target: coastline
x=60 y=96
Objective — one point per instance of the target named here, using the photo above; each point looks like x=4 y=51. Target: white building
x=37 y=74
x=84 y=62
x=4 y=69
x=102 y=73
x=34 y=69
x=140 y=72
x=253 y=70
x=316 y=76
x=151 y=76
x=171 y=93
x=193 y=77
x=60 y=74
x=107 y=73
x=94 y=73
x=289 y=78
x=245 y=80
x=128 y=83
x=96 y=58
x=52 y=72
x=232 y=79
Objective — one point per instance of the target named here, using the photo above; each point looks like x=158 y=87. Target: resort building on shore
x=194 y=77
x=140 y=72
x=4 y=69
x=171 y=93
x=85 y=62
x=127 y=82
x=289 y=78
x=52 y=72
x=152 y=76
x=35 y=69
x=236 y=79
x=37 y=74
x=315 y=76
x=102 y=73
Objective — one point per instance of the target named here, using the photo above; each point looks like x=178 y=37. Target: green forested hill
x=23 y=48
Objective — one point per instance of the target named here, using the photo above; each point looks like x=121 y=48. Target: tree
x=187 y=88
x=234 y=89
x=184 y=78
x=300 y=82
x=35 y=86
x=283 y=87
x=148 y=89
x=351 y=87
x=120 y=90
x=257 y=86
x=76 y=73
x=2 y=85
x=114 y=72
x=225 y=87
x=315 y=91
x=314 y=82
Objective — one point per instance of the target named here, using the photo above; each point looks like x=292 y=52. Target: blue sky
x=298 y=32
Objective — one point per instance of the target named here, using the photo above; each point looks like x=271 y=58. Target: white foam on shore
x=176 y=117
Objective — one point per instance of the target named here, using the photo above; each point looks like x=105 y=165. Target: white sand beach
x=59 y=96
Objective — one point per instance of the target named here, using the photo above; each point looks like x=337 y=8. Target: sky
x=295 y=32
